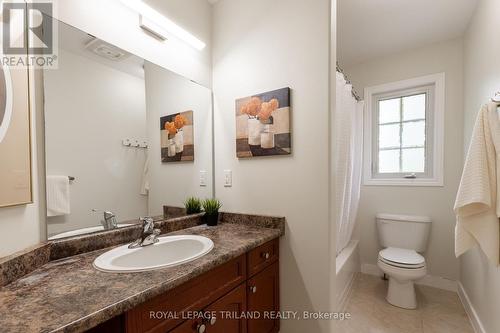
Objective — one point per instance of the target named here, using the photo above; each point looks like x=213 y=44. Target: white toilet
x=402 y=238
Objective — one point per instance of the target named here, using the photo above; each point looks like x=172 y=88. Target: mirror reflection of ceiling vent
x=106 y=50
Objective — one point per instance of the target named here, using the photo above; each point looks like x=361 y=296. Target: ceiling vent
x=106 y=50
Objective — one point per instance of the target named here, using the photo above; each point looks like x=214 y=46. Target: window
x=404 y=127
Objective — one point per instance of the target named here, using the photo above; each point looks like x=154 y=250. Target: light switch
x=203 y=178
x=228 y=178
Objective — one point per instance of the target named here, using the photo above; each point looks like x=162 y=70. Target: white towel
x=145 y=178
x=58 y=197
x=477 y=206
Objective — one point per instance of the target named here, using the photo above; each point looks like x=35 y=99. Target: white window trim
x=438 y=80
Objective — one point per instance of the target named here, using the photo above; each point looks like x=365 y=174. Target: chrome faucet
x=149 y=234
x=109 y=221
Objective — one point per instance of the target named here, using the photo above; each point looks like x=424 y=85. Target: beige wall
x=262 y=45
x=481 y=279
x=436 y=202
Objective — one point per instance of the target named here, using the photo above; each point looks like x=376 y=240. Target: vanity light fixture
x=154 y=22
x=153 y=28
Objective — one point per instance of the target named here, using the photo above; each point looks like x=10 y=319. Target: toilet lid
x=402 y=256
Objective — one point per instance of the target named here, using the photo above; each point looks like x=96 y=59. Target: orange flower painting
x=177 y=137
x=263 y=124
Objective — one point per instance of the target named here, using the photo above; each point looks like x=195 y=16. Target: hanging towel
x=477 y=207
x=58 y=202
x=145 y=178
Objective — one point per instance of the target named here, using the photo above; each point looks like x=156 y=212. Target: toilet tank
x=403 y=231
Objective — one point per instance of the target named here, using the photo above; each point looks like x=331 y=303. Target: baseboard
x=429 y=280
x=371 y=270
x=346 y=293
x=469 y=309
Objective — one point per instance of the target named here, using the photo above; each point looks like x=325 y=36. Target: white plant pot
x=255 y=128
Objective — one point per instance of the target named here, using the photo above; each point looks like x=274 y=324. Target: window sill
x=429 y=182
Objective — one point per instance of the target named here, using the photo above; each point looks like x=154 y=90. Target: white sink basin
x=169 y=251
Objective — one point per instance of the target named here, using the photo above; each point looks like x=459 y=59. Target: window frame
x=434 y=87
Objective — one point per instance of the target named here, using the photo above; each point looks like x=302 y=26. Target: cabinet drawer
x=263 y=256
x=194 y=295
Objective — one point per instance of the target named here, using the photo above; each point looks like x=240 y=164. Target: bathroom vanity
x=214 y=293
x=219 y=300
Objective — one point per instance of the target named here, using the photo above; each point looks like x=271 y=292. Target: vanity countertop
x=69 y=295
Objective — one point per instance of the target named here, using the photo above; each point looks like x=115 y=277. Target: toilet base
x=402 y=294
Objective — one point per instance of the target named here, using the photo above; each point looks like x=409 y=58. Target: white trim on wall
x=438 y=81
x=476 y=323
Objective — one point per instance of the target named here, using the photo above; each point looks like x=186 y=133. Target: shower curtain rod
x=346 y=78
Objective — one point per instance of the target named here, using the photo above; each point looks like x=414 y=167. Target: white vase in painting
x=267 y=138
x=254 y=129
x=171 y=148
x=179 y=142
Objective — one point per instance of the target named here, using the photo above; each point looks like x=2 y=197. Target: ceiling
x=370 y=29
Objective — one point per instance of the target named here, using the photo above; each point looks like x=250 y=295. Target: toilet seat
x=402 y=258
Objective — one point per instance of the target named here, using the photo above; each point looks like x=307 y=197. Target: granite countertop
x=69 y=295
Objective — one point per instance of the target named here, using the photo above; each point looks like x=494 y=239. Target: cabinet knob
x=201 y=328
x=266 y=255
x=253 y=289
x=213 y=320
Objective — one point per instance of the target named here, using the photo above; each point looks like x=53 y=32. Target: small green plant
x=211 y=206
x=193 y=205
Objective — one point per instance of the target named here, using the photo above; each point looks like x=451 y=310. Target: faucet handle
x=108 y=215
x=147 y=223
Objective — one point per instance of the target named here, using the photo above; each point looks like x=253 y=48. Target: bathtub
x=347 y=265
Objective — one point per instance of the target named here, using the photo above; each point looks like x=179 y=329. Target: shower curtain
x=348 y=160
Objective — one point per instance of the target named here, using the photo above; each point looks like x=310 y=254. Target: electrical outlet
x=203 y=178
x=228 y=178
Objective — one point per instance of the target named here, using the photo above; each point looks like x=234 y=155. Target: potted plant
x=193 y=205
x=211 y=208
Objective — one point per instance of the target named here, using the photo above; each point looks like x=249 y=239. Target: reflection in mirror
x=124 y=138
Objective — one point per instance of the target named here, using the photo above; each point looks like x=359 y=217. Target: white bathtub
x=347 y=264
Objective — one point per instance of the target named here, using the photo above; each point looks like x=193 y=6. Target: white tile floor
x=439 y=311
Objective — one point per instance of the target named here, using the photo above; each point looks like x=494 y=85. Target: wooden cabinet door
x=263 y=296
x=189 y=326
x=228 y=313
x=194 y=295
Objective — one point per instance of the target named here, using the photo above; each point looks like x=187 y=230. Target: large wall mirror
x=123 y=136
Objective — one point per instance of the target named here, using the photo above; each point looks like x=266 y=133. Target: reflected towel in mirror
x=58 y=196
x=145 y=178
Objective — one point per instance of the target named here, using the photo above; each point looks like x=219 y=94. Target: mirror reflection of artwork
x=15 y=143
x=177 y=142
x=263 y=124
